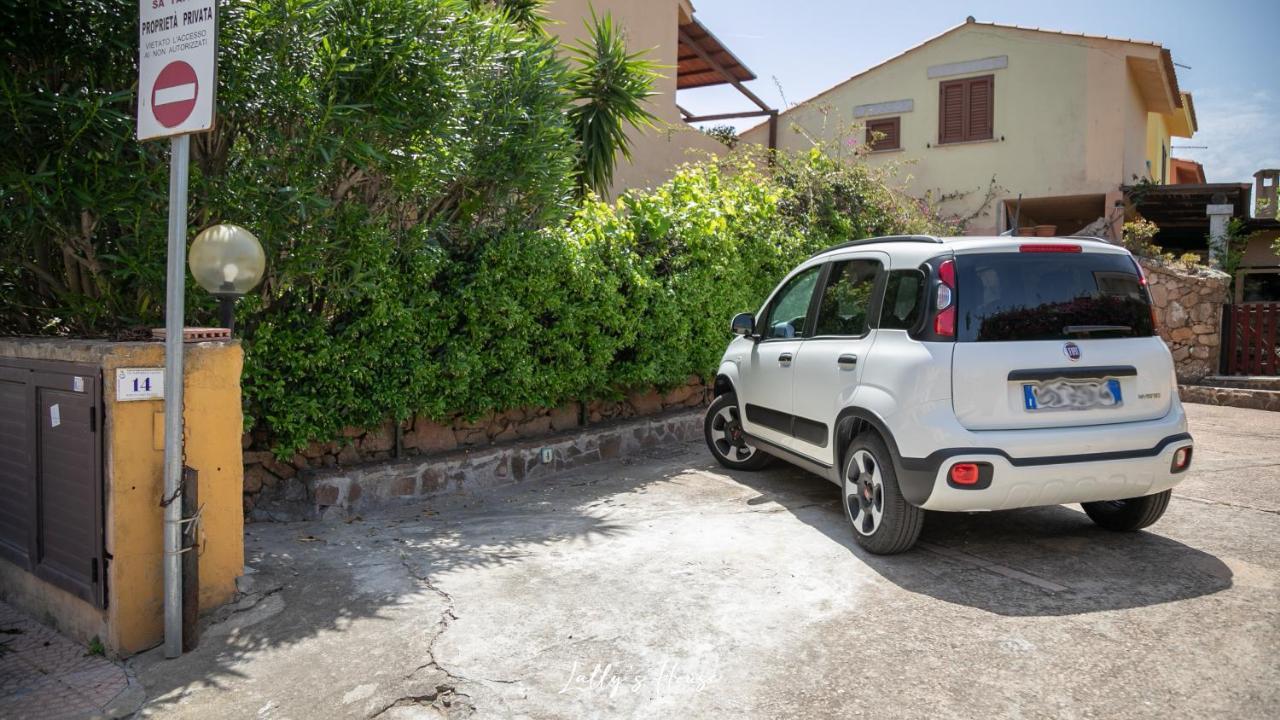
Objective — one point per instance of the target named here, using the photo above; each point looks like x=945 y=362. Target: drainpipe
x=1219 y=216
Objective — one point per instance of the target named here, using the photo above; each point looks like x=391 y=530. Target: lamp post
x=228 y=261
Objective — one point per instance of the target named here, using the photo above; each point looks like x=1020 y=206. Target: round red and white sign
x=173 y=95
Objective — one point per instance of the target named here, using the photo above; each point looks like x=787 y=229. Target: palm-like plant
x=608 y=87
x=525 y=13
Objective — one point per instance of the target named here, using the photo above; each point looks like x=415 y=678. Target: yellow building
x=1062 y=119
x=688 y=56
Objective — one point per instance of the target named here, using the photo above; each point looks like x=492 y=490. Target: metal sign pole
x=174 y=319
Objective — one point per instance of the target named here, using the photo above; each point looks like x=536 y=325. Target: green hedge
x=409 y=169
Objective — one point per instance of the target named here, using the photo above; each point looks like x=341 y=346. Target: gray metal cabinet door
x=17 y=466
x=69 y=539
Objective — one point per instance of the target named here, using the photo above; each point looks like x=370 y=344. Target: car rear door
x=1058 y=335
x=828 y=370
x=766 y=371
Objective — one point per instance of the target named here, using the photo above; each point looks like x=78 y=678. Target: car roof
x=915 y=248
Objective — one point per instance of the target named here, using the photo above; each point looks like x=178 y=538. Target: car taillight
x=1048 y=248
x=1142 y=280
x=944 y=323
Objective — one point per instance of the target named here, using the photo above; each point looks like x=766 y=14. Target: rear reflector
x=1048 y=248
x=964 y=474
x=1181 y=460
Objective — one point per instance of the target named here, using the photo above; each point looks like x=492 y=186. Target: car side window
x=786 y=315
x=903 y=300
x=846 y=299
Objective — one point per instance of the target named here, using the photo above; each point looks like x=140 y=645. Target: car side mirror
x=744 y=324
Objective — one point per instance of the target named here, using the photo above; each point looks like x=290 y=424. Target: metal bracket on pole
x=174 y=319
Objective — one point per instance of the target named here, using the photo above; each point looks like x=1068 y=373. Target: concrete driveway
x=663 y=586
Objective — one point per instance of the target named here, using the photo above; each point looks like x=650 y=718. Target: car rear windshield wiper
x=1078 y=329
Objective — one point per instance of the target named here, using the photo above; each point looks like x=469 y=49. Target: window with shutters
x=884 y=134
x=966 y=109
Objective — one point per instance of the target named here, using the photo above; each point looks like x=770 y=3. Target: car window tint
x=1050 y=296
x=846 y=298
x=903 y=300
x=790 y=307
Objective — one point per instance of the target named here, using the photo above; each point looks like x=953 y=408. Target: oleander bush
x=411 y=170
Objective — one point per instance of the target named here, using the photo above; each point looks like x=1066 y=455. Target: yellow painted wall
x=1158 y=139
x=134 y=478
x=135 y=456
x=652 y=26
x=1069 y=119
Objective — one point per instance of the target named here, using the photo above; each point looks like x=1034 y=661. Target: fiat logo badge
x=1072 y=351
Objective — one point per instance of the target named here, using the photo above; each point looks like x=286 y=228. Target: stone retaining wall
x=1233 y=397
x=1188 y=304
x=264 y=474
x=339 y=493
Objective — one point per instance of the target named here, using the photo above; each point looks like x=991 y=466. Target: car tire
x=883 y=521
x=1128 y=515
x=722 y=428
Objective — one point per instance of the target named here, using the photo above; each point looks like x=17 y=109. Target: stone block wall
x=1188 y=304
x=264 y=474
x=340 y=492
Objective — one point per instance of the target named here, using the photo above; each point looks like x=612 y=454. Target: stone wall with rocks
x=264 y=474
x=1188 y=303
x=341 y=492
x=1231 y=396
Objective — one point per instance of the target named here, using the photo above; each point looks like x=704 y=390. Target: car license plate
x=1072 y=395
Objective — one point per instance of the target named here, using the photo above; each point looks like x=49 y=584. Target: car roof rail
x=883 y=239
x=1094 y=238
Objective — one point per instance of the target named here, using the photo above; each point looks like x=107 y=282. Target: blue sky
x=1231 y=47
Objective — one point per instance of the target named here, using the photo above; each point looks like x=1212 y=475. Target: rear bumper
x=1030 y=482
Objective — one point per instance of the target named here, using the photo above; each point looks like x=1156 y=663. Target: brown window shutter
x=981 y=106
x=951 y=111
x=966 y=109
x=884 y=134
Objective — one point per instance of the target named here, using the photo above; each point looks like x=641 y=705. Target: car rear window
x=1050 y=296
x=903 y=300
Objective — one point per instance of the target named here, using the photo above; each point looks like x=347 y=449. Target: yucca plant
x=609 y=86
x=525 y=13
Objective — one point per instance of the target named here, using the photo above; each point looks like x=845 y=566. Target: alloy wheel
x=728 y=437
x=864 y=492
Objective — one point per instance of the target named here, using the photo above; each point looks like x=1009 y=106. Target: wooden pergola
x=1179 y=210
x=703 y=61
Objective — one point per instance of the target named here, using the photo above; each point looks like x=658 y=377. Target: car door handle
x=847 y=361
x=784 y=359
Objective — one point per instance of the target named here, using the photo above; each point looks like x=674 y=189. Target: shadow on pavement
x=346 y=601
x=353 y=601
x=1044 y=561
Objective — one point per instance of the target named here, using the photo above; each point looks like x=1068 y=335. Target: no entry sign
x=177 y=66
x=174 y=94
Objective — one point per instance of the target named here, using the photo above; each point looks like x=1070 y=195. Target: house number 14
x=139 y=384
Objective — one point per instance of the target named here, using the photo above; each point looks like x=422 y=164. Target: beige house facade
x=985 y=112
x=689 y=56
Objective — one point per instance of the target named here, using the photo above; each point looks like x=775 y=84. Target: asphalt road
x=662 y=586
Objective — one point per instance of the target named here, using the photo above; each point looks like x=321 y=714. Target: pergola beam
x=724 y=73
x=727 y=116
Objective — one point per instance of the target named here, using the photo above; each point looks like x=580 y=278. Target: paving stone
x=46 y=675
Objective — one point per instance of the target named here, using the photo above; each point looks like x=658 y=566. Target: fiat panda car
x=959 y=374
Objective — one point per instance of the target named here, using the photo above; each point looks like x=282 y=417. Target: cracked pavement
x=663 y=586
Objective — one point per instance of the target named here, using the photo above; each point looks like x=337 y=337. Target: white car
x=959 y=374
